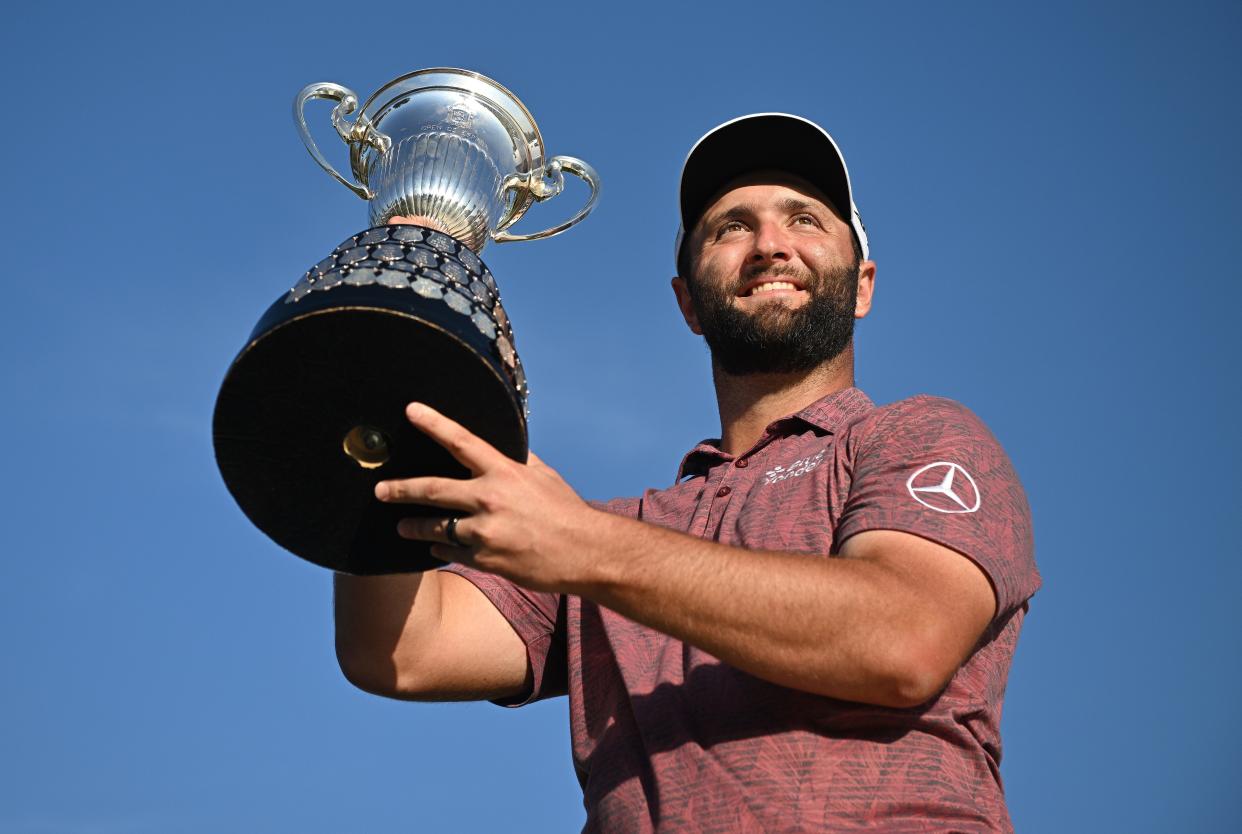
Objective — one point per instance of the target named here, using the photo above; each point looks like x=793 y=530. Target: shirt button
x=741 y=464
x=723 y=491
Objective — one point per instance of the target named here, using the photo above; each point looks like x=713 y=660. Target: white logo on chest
x=795 y=470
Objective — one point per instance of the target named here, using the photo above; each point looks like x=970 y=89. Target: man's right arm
x=430 y=636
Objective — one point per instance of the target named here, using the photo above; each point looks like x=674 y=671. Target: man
x=811 y=630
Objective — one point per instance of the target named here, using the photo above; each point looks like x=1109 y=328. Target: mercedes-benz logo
x=945 y=487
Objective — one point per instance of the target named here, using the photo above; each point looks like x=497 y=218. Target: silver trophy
x=310 y=414
x=449 y=145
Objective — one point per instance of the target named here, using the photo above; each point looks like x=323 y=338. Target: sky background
x=1051 y=194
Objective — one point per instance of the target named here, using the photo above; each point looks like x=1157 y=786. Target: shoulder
x=929 y=466
x=919 y=410
x=926 y=437
x=920 y=421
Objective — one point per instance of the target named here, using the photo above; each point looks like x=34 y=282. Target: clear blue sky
x=1051 y=191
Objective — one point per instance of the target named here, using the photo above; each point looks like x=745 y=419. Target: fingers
x=416 y=220
x=436 y=530
x=449 y=493
x=470 y=451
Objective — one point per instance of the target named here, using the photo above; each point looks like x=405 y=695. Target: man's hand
x=518 y=520
x=888 y=622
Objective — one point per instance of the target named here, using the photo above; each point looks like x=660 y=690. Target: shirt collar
x=835 y=410
x=827 y=414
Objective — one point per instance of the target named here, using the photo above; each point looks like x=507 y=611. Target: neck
x=749 y=403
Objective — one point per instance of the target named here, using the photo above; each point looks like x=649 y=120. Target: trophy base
x=311 y=415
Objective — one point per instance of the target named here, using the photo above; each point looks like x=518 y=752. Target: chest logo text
x=795 y=470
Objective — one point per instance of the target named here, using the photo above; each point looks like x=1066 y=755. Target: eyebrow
x=791 y=205
x=788 y=205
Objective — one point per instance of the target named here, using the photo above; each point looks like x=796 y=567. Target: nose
x=769 y=244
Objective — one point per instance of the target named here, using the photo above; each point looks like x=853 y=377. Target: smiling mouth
x=761 y=287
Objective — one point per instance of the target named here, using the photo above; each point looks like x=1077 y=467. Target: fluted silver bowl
x=449 y=145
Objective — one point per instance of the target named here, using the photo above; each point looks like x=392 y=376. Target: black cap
x=777 y=141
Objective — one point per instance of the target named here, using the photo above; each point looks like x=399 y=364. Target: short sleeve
x=928 y=466
x=539 y=620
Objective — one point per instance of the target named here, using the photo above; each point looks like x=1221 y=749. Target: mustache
x=752 y=272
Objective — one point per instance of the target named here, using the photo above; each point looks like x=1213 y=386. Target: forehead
x=759 y=187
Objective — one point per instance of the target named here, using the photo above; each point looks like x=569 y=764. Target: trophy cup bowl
x=311 y=412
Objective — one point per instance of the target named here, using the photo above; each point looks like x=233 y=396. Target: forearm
x=887 y=621
x=832 y=626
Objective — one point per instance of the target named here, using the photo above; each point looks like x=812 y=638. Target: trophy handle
x=360 y=130
x=546 y=184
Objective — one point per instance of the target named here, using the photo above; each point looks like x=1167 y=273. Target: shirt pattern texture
x=668 y=738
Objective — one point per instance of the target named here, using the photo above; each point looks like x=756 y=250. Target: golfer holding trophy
x=311 y=413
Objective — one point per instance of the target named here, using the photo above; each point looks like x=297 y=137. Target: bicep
x=947 y=599
x=476 y=653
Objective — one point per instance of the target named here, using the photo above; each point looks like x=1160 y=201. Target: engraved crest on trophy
x=311 y=412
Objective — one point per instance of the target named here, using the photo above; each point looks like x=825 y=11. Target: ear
x=866 y=288
x=682 y=291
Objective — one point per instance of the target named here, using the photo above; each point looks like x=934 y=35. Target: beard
x=775 y=338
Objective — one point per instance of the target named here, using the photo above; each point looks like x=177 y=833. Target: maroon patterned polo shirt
x=668 y=738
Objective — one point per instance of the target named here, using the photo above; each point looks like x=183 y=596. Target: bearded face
x=774 y=337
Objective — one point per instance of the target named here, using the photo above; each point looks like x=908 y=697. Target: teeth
x=772 y=286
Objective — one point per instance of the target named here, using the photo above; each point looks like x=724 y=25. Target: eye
x=806 y=220
x=730 y=226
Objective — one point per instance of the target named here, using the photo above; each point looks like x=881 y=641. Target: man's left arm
x=887 y=623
